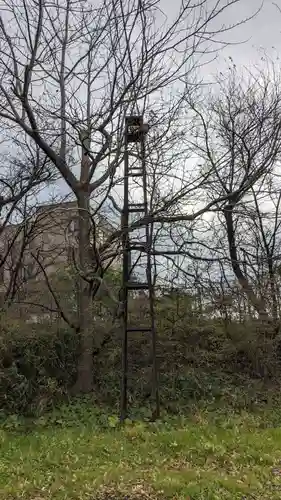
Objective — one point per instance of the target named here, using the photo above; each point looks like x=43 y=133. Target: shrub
x=198 y=360
x=37 y=366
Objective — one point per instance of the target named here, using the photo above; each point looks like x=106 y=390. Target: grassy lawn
x=78 y=454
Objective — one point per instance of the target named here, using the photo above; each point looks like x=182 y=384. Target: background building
x=38 y=253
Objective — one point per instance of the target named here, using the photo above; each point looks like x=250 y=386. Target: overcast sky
x=262 y=33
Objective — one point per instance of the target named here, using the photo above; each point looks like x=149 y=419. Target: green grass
x=78 y=453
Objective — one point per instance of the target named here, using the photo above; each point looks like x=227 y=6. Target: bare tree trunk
x=84 y=381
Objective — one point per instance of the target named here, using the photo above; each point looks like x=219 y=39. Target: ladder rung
x=137 y=248
x=137 y=286
x=139 y=329
x=136 y=173
x=136 y=207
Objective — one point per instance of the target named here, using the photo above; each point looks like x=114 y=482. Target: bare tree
x=260 y=251
x=239 y=140
x=70 y=71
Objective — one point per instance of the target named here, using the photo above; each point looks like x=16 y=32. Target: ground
x=82 y=453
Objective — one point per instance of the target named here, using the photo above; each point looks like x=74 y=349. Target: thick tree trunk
x=84 y=381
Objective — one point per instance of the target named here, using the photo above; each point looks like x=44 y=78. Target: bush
x=37 y=366
x=198 y=360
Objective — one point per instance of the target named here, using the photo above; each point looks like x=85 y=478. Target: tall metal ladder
x=134 y=167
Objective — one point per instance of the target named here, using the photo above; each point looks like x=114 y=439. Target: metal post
x=125 y=244
x=149 y=235
x=135 y=132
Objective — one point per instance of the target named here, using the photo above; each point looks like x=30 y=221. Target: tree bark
x=84 y=381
